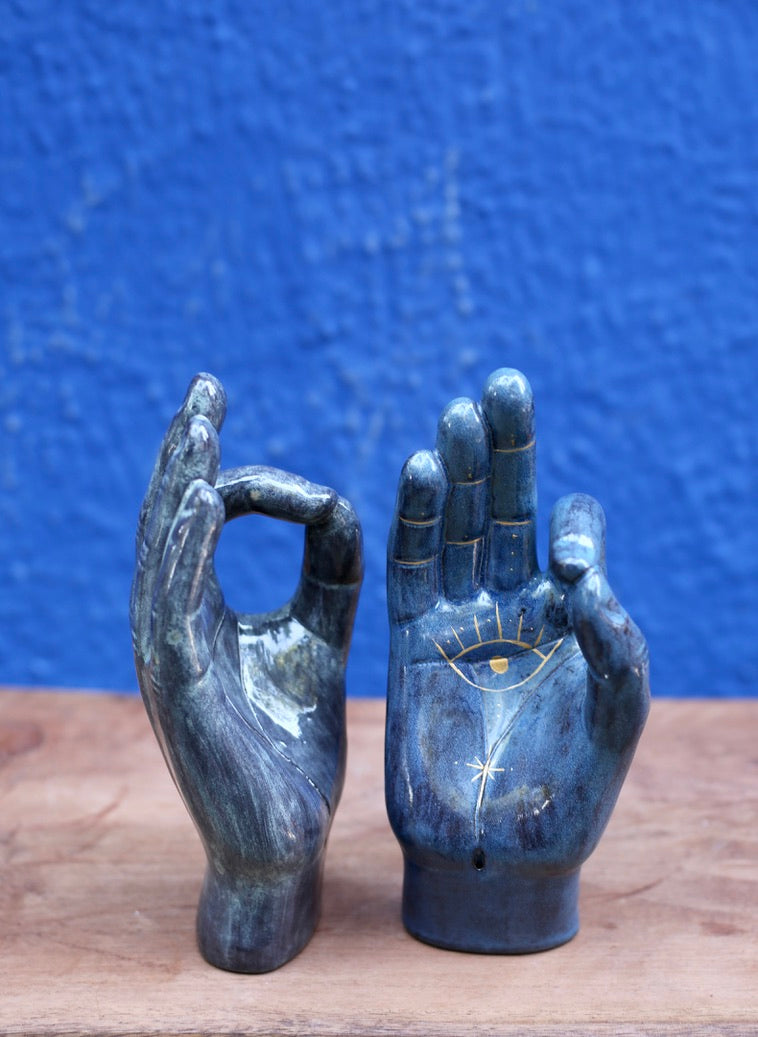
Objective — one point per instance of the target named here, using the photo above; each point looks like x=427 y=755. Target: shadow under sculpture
x=249 y=711
x=515 y=697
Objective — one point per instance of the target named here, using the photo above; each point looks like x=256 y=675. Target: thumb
x=618 y=685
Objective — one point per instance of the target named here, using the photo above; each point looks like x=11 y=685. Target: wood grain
x=100 y=870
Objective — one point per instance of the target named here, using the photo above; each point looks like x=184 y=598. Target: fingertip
x=508 y=404
x=463 y=441
x=577 y=537
x=582 y=504
x=200 y=433
x=422 y=487
x=334 y=547
x=206 y=396
x=201 y=497
x=199 y=451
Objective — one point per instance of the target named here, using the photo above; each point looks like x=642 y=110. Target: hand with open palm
x=515 y=697
x=248 y=710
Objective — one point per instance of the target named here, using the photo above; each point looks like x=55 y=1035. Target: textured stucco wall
x=351 y=212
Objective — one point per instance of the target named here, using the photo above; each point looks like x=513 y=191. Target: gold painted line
x=455 y=635
x=407 y=561
x=495 y=641
x=499 y=624
x=463 y=543
x=545 y=659
x=511 y=687
x=520 y=624
x=476 y=625
x=470 y=482
x=441 y=651
x=480 y=797
x=419 y=522
x=539 y=637
x=517 y=522
x=514 y=449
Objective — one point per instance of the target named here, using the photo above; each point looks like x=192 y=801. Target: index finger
x=261 y=490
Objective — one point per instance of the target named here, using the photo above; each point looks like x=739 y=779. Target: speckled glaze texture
x=515 y=697
x=249 y=711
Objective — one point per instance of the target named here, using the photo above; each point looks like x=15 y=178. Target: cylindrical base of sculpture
x=489 y=910
x=256 y=925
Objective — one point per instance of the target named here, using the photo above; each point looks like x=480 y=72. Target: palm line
x=509 y=727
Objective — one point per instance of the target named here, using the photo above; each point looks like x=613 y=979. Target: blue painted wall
x=351 y=212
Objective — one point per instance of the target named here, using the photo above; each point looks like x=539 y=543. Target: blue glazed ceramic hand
x=248 y=710
x=515 y=697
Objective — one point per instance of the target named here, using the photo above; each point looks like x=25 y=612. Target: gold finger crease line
x=407 y=561
x=418 y=522
x=513 y=522
x=470 y=482
x=462 y=543
x=513 y=449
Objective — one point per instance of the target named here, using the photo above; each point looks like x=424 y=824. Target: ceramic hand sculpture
x=515 y=698
x=248 y=710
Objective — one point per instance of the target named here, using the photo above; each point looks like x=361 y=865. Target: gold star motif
x=485 y=770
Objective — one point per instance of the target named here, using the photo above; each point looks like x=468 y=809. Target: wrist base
x=247 y=924
x=489 y=911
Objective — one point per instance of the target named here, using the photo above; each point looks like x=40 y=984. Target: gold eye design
x=497 y=663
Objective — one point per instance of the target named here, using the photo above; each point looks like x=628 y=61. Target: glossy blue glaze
x=249 y=711
x=515 y=697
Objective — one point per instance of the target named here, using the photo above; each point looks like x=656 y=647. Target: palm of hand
x=515 y=698
x=248 y=710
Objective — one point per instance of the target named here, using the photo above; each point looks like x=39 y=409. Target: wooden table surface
x=100 y=868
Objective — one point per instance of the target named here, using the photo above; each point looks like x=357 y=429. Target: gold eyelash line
x=441 y=650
